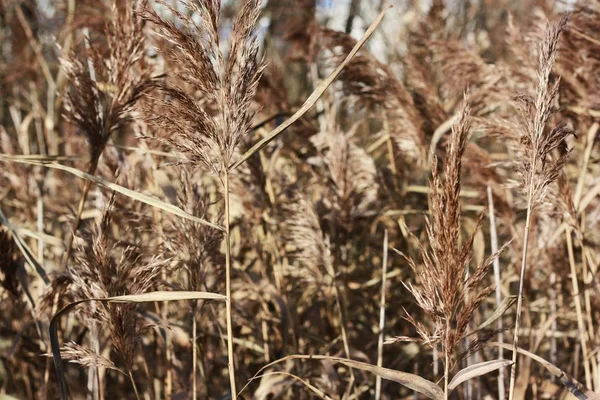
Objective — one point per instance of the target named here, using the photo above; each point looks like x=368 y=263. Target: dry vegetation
x=203 y=200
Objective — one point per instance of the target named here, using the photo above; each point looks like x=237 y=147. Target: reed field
x=300 y=199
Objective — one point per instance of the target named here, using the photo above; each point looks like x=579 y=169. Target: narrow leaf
x=411 y=381
x=7 y=397
x=572 y=385
x=498 y=313
x=44 y=157
x=473 y=371
x=27 y=254
x=312 y=99
x=315 y=390
x=164 y=296
x=129 y=298
x=144 y=198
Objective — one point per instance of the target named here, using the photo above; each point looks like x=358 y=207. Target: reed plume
x=266 y=193
x=105 y=268
x=541 y=165
x=442 y=285
x=103 y=89
x=227 y=84
x=352 y=174
x=208 y=131
x=197 y=248
x=373 y=86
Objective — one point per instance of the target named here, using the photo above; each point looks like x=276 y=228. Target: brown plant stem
x=498 y=282
x=86 y=188
x=94 y=371
x=230 y=359
x=578 y=308
x=96 y=384
x=390 y=144
x=135 y=390
x=513 y=368
x=334 y=271
x=554 y=325
x=194 y=352
x=446 y=371
x=381 y=314
x=48 y=360
x=343 y=320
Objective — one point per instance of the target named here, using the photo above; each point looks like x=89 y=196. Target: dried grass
x=242 y=164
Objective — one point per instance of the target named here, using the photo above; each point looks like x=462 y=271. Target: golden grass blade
x=472 y=194
x=7 y=397
x=438 y=134
x=577 y=389
x=130 y=298
x=27 y=254
x=144 y=198
x=164 y=296
x=498 y=313
x=315 y=95
x=319 y=393
x=44 y=158
x=146 y=151
x=587 y=199
x=584 y=167
x=475 y=370
x=584 y=111
x=46 y=238
x=382 y=312
x=411 y=381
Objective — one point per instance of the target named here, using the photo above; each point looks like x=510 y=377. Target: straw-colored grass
x=294 y=199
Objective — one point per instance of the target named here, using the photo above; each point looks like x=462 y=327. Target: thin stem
x=342 y=314
x=230 y=359
x=48 y=359
x=94 y=378
x=554 y=325
x=513 y=369
x=598 y=375
x=94 y=371
x=468 y=360
x=580 y=323
x=168 y=382
x=436 y=358
x=332 y=270
x=586 y=158
x=390 y=144
x=446 y=373
x=86 y=189
x=497 y=281
x=135 y=390
x=381 y=315
x=194 y=352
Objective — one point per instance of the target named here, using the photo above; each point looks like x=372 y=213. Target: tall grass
x=202 y=230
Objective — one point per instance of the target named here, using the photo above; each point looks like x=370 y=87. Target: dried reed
x=539 y=168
